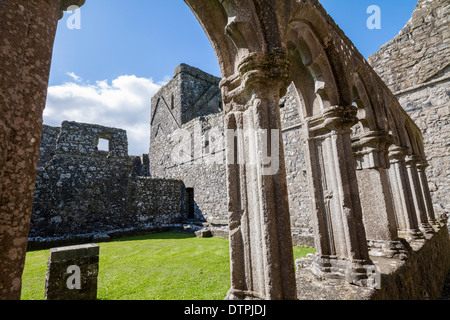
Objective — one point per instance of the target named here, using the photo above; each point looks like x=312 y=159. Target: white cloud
x=74 y=76
x=122 y=103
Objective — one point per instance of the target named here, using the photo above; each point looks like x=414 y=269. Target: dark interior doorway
x=190 y=203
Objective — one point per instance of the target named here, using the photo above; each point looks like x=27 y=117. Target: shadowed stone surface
x=415 y=66
x=72 y=273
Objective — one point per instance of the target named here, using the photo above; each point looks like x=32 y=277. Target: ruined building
x=302 y=113
x=86 y=194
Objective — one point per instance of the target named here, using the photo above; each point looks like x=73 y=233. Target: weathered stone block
x=203 y=233
x=72 y=273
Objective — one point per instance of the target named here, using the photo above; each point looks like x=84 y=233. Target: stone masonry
x=416 y=67
x=183 y=112
x=424 y=95
x=85 y=194
x=72 y=273
x=199 y=135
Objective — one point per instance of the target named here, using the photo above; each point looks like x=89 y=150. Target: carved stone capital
x=422 y=165
x=371 y=149
x=258 y=74
x=412 y=160
x=397 y=153
x=338 y=119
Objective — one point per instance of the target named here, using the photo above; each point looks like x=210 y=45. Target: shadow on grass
x=157 y=236
x=122 y=236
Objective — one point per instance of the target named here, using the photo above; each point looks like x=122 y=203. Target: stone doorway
x=190 y=203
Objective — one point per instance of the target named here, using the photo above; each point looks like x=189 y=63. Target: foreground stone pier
x=27 y=33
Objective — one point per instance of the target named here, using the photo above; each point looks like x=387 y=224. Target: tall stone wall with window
x=416 y=67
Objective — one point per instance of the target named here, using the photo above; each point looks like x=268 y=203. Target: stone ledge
x=72 y=273
x=421 y=277
x=73 y=252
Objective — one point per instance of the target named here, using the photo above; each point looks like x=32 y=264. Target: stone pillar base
x=234 y=294
x=426 y=228
x=396 y=249
x=411 y=235
x=425 y=270
x=357 y=272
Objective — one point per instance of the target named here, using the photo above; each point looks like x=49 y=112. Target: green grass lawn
x=163 y=266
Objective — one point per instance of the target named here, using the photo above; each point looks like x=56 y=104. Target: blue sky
x=106 y=71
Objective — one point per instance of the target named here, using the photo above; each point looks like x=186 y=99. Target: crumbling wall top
x=197 y=73
x=83 y=139
x=420 y=52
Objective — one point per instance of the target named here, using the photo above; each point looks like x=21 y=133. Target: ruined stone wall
x=200 y=93
x=48 y=144
x=203 y=169
x=298 y=189
x=416 y=67
x=190 y=94
x=84 y=192
x=196 y=109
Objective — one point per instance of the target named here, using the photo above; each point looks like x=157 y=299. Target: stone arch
x=367 y=119
x=310 y=63
x=327 y=123
x=255 y=73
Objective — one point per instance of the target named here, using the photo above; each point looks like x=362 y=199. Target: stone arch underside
x=261 y=46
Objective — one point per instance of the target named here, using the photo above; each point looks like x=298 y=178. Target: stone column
x=405 y=213
x=262 y=262
x=423 y=179
x=337 y=218
x=27 y=31
x=371 y=155
x=417 y=195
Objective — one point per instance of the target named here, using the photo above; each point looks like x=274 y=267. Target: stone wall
x=201 y=168
x=187 y=123
x=416 y=67
x=83 y=192
x=193 y=149
x=48 y=144
x=298 y=189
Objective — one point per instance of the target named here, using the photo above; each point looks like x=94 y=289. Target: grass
x=164 y=266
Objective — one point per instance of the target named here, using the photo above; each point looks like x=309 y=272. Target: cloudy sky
x=112 y=56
